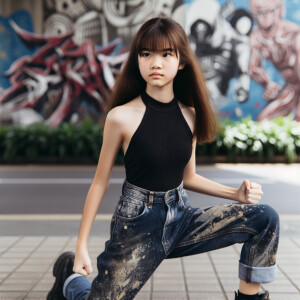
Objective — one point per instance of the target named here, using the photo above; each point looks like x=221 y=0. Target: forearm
x=91 y=207
x=256 y=71
x=200 y=184
x=260 y=76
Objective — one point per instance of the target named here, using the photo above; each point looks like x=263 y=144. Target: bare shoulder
x=122 y=112
x=127 y=116
x=189 y=110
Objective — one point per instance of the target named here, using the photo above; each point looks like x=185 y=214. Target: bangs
x=157 y=39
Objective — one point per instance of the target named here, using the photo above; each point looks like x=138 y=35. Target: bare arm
x=112 y=139
x=196 y=183
x=256 y=70
x=249 y=192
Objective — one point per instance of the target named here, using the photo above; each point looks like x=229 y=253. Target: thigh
x=131 y=254
x=217 y=227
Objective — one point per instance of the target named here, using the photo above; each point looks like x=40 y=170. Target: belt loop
x=151 y=194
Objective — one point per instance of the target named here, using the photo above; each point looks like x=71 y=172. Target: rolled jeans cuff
x=257 y=274
x=68 y=280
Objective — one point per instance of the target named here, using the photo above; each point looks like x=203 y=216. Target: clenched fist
x=82 y=262
x=249 y=192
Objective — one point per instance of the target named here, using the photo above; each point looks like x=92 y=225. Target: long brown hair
x=189 y=83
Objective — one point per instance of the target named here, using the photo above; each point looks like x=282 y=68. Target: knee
x=270 y=215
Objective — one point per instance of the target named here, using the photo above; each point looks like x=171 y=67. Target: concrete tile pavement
x=26 y=270
x=26 y=261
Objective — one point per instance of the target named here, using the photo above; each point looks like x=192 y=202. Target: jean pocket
x=130 y=209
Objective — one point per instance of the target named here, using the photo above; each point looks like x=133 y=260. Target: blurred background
x=59 y=60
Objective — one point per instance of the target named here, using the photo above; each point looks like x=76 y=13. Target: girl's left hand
x=249 y=192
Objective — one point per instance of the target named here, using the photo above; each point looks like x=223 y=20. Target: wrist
x=234 y=194
x=81 y=246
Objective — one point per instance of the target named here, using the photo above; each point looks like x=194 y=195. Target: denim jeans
x=148 y=227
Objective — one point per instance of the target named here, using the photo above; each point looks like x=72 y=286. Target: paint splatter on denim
x=147 y=228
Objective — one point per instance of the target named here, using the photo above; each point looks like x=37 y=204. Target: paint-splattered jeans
x=148 y=227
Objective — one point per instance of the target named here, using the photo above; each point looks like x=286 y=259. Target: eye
x=145 y=54
x=167 y=54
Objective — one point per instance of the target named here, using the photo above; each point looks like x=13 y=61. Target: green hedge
x=249 y=139
x=244 y=139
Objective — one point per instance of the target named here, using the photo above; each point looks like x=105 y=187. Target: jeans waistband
x=154 y=196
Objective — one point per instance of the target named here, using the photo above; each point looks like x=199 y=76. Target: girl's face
x=159 y=68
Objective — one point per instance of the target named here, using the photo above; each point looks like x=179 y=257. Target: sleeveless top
x=160 y=148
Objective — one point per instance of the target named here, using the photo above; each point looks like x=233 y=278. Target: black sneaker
x=62 y=269
x=264 y=296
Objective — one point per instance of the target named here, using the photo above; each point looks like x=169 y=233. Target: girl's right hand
x=82 y=262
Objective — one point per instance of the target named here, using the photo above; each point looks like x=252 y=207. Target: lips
x=156 y=74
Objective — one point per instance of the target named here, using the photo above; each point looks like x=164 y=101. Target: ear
x=181 y=67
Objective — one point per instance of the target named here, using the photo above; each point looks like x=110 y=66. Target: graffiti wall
x=247 y=49
x=219 y=35
x=12 y=47
x=249 y=53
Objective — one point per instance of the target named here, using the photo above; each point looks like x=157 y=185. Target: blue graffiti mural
x=248 y=70
x=248 y=50
x=12 y=48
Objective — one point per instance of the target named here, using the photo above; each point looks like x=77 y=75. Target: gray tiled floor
x=26 y=265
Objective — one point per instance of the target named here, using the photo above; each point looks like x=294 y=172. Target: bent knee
x=269 y=215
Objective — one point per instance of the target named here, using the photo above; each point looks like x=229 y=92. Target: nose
x=268 y=18
x=156 y=62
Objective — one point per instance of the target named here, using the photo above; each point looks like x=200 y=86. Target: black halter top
x=160 y=148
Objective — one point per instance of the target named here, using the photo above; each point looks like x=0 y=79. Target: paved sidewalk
x=26 y=257
x=26 y=266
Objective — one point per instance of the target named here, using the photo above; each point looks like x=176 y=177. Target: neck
x=271 y=32
x=164 y=94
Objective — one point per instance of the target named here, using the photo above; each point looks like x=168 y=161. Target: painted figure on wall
x=221 y=47
x=278 y=41
x=103 y=20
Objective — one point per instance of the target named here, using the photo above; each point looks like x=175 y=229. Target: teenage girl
x=159 y=109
